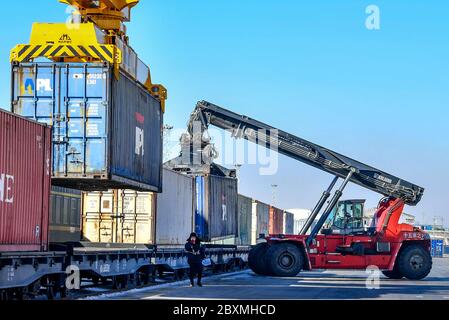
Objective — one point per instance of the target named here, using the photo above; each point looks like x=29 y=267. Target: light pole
x=274 y=189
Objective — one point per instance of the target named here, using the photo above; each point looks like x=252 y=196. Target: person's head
x=193 y=237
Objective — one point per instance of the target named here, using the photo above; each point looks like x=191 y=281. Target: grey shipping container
x=216 y=207
x=289 y=222
x=107 y=131
x=175 y=209
x=261 y=218
x=245 y=209
x=65 y=215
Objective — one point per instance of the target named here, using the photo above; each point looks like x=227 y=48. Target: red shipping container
x=25 y=173
x=276 y=225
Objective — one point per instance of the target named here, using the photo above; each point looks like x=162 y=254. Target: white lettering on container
x=44 y=84
x=140 y=151
x=6 y=188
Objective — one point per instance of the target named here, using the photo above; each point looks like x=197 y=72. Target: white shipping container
x=175 y=209
x=118 y=216
x=260 y=220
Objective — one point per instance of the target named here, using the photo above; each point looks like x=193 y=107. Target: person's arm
x=189 y=247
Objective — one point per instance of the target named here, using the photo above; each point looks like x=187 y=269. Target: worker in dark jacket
x=196 y=255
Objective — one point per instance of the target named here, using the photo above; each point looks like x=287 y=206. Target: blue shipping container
x=446 y=250
x=107 y=131
x=437 y=248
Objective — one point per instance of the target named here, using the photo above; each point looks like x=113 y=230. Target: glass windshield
x=348 y=216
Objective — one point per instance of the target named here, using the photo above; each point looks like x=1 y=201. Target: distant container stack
x=276 y=225
x=107 y=131
x=289 y=222
x=25 y=155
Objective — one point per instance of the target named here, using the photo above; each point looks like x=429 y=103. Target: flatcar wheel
x=63 y=291
x=115 y=283
x=50 y=292
x=95 y=281
x=137 y=279
x=153 y=276
x=125 y=282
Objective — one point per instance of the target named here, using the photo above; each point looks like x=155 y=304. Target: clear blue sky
x=308 y=67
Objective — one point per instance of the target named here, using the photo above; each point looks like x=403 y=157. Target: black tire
x=256 y=259
x=395 y=274
x=284 y=260
x=414 y=262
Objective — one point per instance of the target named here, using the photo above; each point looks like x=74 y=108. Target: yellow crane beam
x=107 y=14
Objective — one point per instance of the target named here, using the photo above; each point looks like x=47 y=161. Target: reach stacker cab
x=337 y=240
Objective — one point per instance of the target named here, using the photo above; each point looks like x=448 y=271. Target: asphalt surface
x=321 y=284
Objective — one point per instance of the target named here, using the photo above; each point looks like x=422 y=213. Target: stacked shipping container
x=25 y=155
x=107 y=131
x=205 y=204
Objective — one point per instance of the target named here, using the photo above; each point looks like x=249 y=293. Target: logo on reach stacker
x=65 y=38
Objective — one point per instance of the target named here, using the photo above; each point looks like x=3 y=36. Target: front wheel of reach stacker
x=284 y=260
x=256 y=259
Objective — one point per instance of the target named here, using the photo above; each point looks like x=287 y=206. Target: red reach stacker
x=336 y=240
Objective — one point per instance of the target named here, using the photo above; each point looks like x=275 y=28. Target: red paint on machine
x=25 y=172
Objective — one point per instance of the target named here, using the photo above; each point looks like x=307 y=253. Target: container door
x=99 y=223
x=136 y=219
x=201 y=227
x=222 y=208
x=73 y=99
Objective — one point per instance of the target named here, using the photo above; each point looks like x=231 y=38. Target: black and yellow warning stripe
x=100 y=53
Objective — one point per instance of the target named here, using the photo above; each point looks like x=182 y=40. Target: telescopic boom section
x=287 y=144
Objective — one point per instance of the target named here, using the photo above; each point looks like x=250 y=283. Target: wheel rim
x=416 y=262
x=286 y=260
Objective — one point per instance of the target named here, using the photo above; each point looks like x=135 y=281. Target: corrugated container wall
x=119 y=216
x=175 y=209
x=107 y=132
x=289 y=222
x=245 y=207
x=25 y=172
x=216 y=207
x=65 y=215
x=276 y=225
x=260 y=220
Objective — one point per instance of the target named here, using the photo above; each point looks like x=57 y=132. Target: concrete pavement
x=330 y=284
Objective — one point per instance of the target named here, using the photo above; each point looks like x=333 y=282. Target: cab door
x=342 y=233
